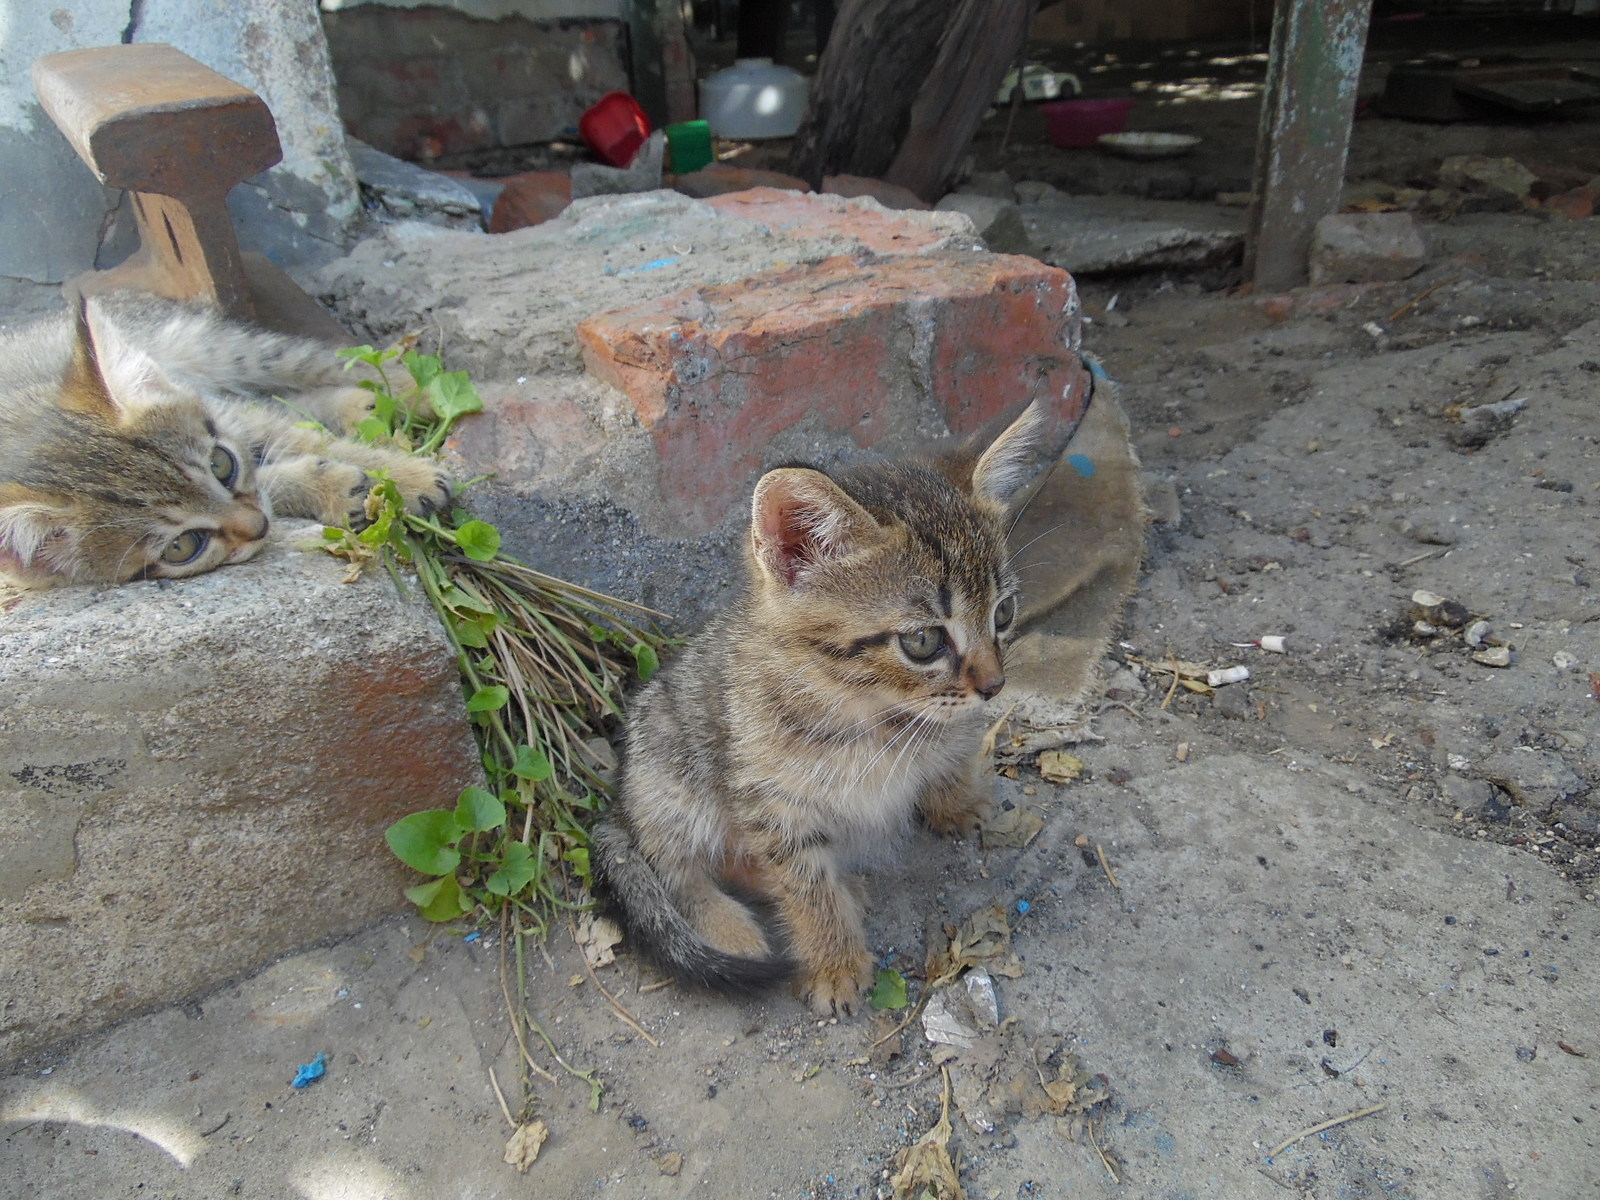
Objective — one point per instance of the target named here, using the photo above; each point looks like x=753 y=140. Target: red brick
x=832 y=216
x=1576 y=204
x=716 y=373
x=719 y=179
x=890 y=195
x=531 y=198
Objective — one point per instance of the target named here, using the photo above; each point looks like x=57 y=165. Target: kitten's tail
x=660 y=931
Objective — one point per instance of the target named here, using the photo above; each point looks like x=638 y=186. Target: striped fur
x=141 y=439
x=797 y=735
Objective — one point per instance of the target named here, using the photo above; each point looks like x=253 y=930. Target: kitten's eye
x=186 y=547
x=923 y=644
x=224 y=465
x=1004 y=613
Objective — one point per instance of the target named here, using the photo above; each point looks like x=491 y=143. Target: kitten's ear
x=34 y=538
x=1003 y=467
x=108 y=372
x=799 y=518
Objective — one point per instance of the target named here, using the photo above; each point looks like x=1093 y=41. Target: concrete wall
x=56 y=220
x=421 y=82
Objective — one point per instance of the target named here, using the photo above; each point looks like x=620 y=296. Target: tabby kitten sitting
x=798 y=733
x=140 y=439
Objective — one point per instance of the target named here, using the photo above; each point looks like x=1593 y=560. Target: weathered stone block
x=1367 y=248
x=863 y=220
x=406 y=191
x=890 y=195
x=998 y=222
x=719 y=179
x=1491 y=184
x=717 y=373
x=195 y=779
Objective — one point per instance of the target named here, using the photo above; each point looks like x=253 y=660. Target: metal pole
x=1304 y=136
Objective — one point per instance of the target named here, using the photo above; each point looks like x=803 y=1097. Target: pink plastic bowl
x=1078 y=124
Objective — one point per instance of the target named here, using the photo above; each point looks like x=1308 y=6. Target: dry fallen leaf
x=1014 y=827
x=597 y=937
x=671 y=1164
x=522 y=1151
x=888 y=1039
x=926 y=1168
x=1059 y=767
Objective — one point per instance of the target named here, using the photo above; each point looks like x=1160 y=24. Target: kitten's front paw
x=345 y=407
x=426 y=488
x=954 y=812
x=837 y=988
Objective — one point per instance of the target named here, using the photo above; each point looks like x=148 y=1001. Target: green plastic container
x=690 y=144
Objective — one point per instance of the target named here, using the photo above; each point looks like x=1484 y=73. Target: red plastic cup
x=614 y=127
x=1078 y=124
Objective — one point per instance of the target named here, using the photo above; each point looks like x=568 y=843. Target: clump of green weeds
x=543 y=663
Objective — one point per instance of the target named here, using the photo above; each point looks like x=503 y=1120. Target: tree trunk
x=981 y=41
x=878 y=56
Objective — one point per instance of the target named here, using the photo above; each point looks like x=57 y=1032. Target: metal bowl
x=1149 y=145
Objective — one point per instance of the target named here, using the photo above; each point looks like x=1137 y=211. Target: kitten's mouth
x=244 y=551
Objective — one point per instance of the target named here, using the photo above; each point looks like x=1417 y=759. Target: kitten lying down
x=799 y=732
x=140 y=439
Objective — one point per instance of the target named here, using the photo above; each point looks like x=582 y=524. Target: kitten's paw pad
x=837 y=989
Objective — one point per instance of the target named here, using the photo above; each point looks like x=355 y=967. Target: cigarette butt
x=1273 y=643
x=1227 y=675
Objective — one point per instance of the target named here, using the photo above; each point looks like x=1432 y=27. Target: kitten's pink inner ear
x=801 y=518
x=784 y=538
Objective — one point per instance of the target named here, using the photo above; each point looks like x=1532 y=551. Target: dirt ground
x=1362 y=881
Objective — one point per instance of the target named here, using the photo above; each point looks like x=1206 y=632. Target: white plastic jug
x=754 y=98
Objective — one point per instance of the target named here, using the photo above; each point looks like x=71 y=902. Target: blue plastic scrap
x=310 y=1072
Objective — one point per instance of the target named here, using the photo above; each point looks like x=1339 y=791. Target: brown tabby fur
x=797 y=734
x=140 y=439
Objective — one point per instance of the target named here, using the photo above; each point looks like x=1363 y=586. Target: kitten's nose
x=245 y=524
x=983 y=671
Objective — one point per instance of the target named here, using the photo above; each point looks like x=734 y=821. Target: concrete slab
x=1096 y=234
x=405 y=191
x=1274 y=909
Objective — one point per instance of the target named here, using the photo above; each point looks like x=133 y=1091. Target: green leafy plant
x=888 y=990
x=543 y=663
